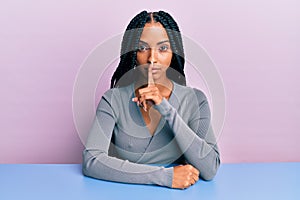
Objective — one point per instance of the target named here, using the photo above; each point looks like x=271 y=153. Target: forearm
x=204 y=156
x=99 y=165
x=201 y=153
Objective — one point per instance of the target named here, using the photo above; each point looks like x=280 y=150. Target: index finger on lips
x=150 y=75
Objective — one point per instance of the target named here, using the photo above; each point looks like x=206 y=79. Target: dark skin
x=154 y=57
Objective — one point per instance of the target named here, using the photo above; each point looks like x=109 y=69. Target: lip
x=153 y=69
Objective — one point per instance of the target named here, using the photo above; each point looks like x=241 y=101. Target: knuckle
x=186 y=183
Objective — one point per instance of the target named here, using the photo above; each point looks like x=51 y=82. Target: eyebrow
x=157 y=43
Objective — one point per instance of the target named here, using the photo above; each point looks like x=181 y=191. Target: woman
x=149 y=127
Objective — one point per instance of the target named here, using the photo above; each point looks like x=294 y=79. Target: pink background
x=255 y=45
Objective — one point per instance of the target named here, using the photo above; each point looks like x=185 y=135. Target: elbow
x=211 y=173
x=85 y=171
x=87 y=163
x=208 y=176
x=92 y=163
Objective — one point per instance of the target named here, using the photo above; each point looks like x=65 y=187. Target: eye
x=143 y=48
x=164 y=48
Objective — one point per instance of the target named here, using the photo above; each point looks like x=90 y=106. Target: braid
x=177 y=62
x=130 y=43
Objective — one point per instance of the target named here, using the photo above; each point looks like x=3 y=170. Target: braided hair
x=130 y=45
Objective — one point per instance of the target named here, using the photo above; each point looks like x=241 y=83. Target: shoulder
x=113 y=99
x=189 y=93
x=117 y=92
x=199 y=95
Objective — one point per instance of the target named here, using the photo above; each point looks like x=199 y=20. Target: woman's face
x=154 y=46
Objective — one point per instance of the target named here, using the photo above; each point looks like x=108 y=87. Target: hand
x=149 y=94
x=184 y=176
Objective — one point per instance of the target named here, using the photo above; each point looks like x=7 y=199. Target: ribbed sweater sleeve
x=195 y=137
x=97 y=163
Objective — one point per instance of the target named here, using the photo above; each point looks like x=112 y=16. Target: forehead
x=154 y=32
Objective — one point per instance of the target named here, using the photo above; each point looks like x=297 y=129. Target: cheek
x=166 y=58
x=141 y=58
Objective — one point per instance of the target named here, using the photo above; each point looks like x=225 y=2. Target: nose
x=152 y=56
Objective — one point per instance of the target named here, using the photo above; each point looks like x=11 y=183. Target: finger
x=189 y=185
x=146 y=89
x=193 y=181
x=150 y=75
x=195 y=178
x=142 y=98
x=142 y=102
x=193 y=169
x=149 y=98
x=145 y=105
x=196 y=172
x=135 y=99
x=186 y=184
x=139 y=104
x=147 y=95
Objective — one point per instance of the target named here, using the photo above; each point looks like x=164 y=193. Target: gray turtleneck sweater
x=120 y=147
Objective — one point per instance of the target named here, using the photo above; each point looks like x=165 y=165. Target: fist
x=184 y=176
